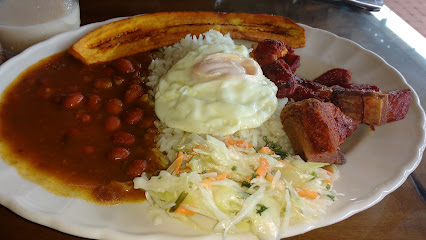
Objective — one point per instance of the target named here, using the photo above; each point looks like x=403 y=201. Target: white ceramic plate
x=378 y=162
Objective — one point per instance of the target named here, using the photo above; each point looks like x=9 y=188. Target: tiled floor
x=412 y=11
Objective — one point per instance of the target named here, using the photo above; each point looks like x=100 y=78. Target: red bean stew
x=90 y=128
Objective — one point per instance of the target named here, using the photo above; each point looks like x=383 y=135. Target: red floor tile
x=412 y=11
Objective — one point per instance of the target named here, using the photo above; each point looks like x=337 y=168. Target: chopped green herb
x=254 y=175
x=234 y=168
x=314 y=174
x=179 y=200
x=203 y=172
x=246 y=184
x=328 y=186
x=275 y=147
x=262 y=209
x=331 y=197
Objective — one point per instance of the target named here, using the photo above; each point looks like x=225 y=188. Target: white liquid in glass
x=26 y=22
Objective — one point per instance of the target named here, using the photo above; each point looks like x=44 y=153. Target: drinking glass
x=26 y=22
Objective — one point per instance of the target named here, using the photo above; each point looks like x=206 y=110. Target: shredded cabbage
x=238 y=186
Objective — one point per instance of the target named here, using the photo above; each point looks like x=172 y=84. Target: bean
x=94 y=102
x=137 y=167
x=118 y=81
x=133 y=93
x=123 y=138
x=73 y=100
x=118 y=153
x=134 y=115
x=112 y=123
x=103 y=83
x=114 y=106
x=123 y=65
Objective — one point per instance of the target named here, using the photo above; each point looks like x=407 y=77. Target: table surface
x=401 y=214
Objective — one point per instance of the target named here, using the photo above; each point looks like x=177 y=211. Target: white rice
x=171 y=139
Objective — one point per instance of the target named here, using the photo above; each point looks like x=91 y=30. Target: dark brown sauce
x=68 y=148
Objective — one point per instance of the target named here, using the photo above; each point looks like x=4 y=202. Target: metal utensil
x=371 y=5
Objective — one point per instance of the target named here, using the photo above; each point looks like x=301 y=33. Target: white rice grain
x=169 y=140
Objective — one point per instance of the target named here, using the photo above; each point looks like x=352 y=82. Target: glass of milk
x=26 y=22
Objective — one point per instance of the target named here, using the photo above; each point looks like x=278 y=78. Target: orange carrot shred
x=329 y=168
x=184 y=170
x=267 y=150
x=179 y=160
x=269 y=177
x=184 y=211
x=240 y=144
x=263 y=168
x=208 y=181
x=307 y=193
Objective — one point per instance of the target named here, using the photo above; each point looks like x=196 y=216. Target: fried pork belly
x=364 y=106
x=316 y=129
x=399 y=102
x=268 y=51
x=279 y=72
x=371 y=107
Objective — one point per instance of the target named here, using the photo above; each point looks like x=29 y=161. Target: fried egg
x=216 y=89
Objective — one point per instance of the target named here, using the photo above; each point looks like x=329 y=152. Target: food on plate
x=82 y=131
x=316 y=129
x=240 y=188
x=215 y=89
x=151 y=31
x=373 y=107
x=219 y=147
x=362 y=102
x=247 y=179
x=330 y=106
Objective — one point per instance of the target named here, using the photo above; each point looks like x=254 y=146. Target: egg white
x=216 y=89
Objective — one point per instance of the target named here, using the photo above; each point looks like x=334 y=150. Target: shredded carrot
x=307 y=193
x=329 y=168
x=330 y=179
x=221 y=176
x=184 y=170
x=184 y=211
x=267 y=150
x=240 y=144
x=269 y=177
x=287 y=165
x=197 y=147
x=263 y=168
x=179 y=160
x=208 y=181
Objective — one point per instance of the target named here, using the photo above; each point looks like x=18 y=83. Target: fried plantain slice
x=147 y=32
